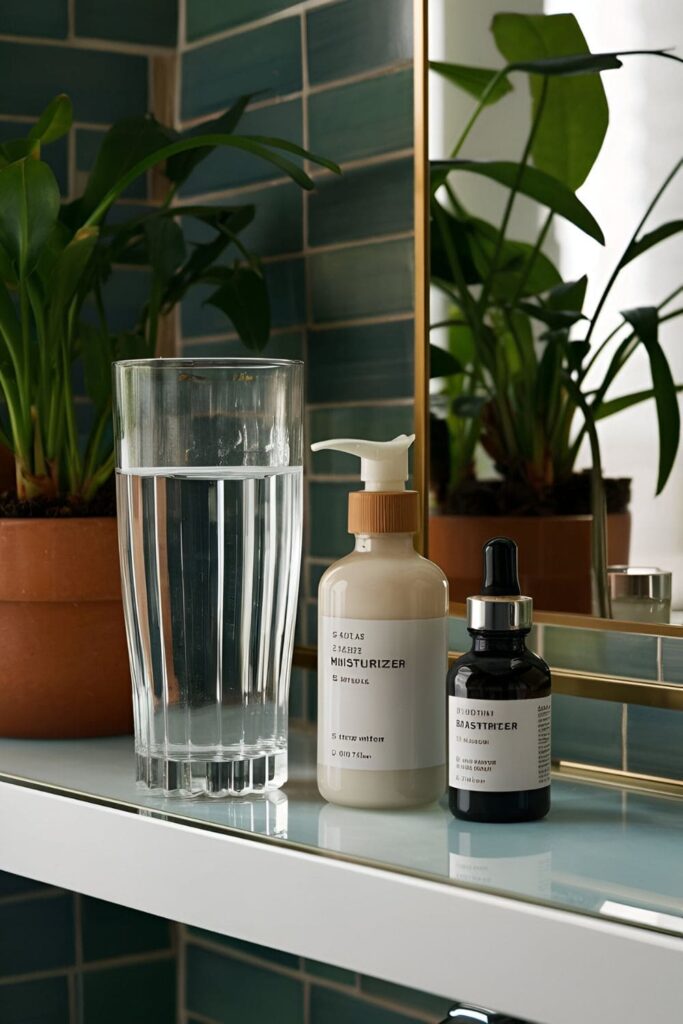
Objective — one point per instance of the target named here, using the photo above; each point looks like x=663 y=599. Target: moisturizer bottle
x=382 y=647
x=499 y=704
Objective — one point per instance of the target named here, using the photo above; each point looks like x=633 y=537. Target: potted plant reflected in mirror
x=527 y=373
x=64 y=668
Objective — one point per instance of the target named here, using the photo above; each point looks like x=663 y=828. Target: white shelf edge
x=542 y=964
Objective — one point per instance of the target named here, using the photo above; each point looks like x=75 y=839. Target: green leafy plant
x=56 y=259
x=521 y=344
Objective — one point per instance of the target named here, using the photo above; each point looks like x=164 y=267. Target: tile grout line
x=181 y=972
x=71 y=21
x=300 y=974
x=89 y=967
x=266 y=184
x=180 y=44
x=31 y=897
x=88 y=44
x=307 y=1001
x=256 y=23
x=331 y=325
x=76 y=985
x=313 y=90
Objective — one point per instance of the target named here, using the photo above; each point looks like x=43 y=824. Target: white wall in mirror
x=644 y=141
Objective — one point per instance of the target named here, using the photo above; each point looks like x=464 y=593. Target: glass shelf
x=603 y=851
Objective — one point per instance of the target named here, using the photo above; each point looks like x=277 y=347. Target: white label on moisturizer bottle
x=498 y=746
x=382 y=705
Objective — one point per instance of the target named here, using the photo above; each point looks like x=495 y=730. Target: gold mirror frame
x=582 y=684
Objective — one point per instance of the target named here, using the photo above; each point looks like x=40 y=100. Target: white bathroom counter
x=575 y=918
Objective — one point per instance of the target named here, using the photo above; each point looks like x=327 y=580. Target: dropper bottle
x=382 y=647
x=499 y=704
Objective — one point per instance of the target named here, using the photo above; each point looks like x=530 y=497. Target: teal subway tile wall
x=69 y=959
x=336 y=77
x=228 y=981
x=115 y=60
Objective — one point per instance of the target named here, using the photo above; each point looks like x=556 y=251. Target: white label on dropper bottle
x=498 y=746
x=382 y=704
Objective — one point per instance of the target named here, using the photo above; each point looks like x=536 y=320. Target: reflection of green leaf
x=625 y=402
x=654 y=237
x=536 y=184
x=442 y=363
x=568 y=294
x=554 y=318
x=645 y=322
x=575 y=113
x=475 y=81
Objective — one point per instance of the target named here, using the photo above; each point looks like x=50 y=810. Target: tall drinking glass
x=209 y=487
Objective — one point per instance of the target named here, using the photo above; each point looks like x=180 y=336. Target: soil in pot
x=571 y=497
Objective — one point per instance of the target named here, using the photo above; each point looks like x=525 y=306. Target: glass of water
x=209 y=488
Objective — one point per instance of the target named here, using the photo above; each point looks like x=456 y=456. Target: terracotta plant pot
x=64 y=668
x=554 y=554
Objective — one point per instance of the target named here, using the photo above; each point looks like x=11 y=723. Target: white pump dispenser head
x=383 y=464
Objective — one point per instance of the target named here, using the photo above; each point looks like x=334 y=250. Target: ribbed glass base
x=176 y=777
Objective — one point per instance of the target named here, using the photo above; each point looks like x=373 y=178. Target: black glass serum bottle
x=499 y=704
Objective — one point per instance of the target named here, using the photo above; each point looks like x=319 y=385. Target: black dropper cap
x=500 y=605
x=500 y=568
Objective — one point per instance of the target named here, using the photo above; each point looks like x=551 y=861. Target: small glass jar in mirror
x=640 y=593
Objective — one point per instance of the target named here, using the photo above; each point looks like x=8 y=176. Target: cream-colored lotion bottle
x=382 y=647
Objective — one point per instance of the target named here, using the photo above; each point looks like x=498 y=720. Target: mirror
x=554 y=302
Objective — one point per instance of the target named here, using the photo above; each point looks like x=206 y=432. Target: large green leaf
x=292 y=147
x=246 y=143
x=180 y=166
x=645 y=322
x=54 y=122
x=29 y=207
x=16 y=149
x=125 y=145
x=478 y=82
x=575 y=113
x=67 y=273
x=243 y=297
x=650 y=239
x=536 y=184
x=165 y=247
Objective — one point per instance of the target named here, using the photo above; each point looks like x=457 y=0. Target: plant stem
x=487 y=284
x=477 y=110
x=532 y=258
x=598 y=507
x=95 y=441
